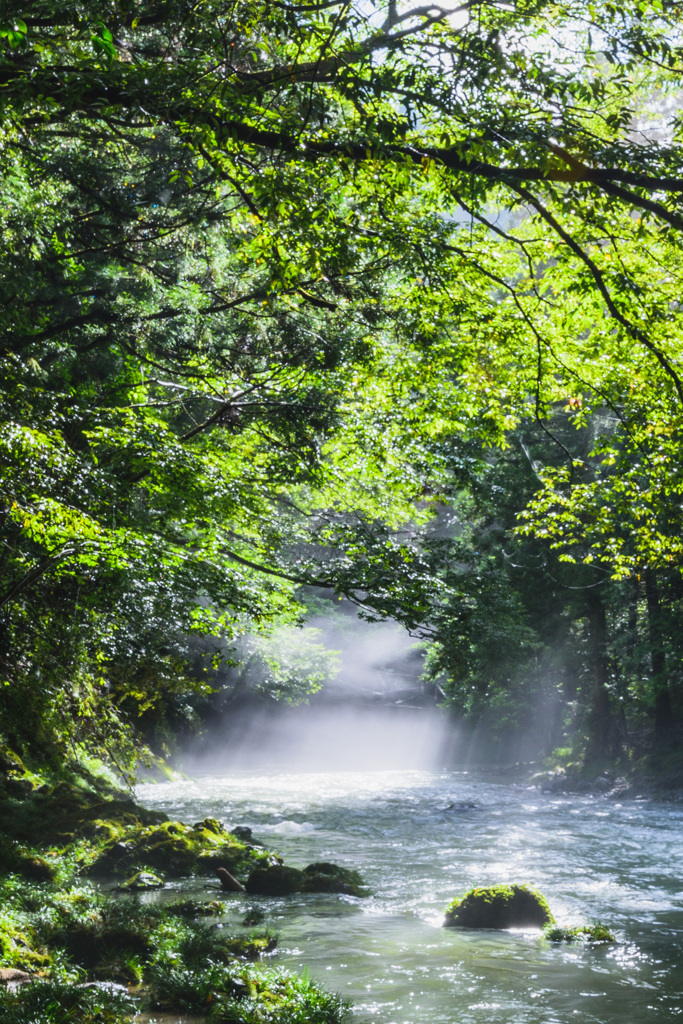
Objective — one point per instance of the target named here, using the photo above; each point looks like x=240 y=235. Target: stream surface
x=594 y=859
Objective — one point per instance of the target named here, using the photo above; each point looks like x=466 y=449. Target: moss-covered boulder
x=210 y=825
x=19 y=789
x=279 y=880
x=499 y=906
x=274 y=880
x=67 y=812
x=142 y=881
x=93 y=943
x=27 y=864
x=195 y=908
x=173 y=849
x=19 y=947
x=326 y=877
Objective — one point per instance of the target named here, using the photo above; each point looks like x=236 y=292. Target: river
x=417 y=844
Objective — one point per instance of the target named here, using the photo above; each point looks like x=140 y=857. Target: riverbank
x=658 y=776
x=79 y=937
x=71 y=839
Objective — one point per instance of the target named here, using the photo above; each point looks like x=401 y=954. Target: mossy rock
x=174 y=850
x=195 y=908
x=19 y=949
x=252 y=948
x=90 y=945
x=37 y=869
x=594 y=934
x=326 y=877
x=274 y=880
x=18 y=788
x=142 y=881
x=104 y=831
x=279 y=880
x=499 y=906
x=65 y=812
x=10 y=760
x=210 y=825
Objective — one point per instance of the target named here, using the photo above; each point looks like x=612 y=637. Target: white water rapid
x=417 y=844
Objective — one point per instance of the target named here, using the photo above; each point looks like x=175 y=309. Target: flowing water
x=418 y=844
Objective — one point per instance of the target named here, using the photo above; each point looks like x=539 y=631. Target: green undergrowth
x=251 y=995
x=58 y=1002
x=86 y=952
x=96 y=958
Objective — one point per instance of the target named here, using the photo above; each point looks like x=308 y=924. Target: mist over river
x=417 y=844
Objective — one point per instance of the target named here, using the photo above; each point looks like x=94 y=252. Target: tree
x=264 y=261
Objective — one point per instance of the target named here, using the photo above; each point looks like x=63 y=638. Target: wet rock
x=278 y=880
x=141 y=882
x=195 y=908
x=325 y=877
x=461 y=805
x=593 y=934
x=242 y=832
x=116 y=852
x=274 y=880
x=550 y=782
x=499 y=906
x=253 y=917
x=228 y=881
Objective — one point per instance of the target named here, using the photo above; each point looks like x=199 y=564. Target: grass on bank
x=98 y=959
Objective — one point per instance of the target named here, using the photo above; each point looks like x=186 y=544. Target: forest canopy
x=383 y=300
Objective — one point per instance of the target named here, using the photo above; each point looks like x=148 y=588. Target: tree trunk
x=663 y=710
x=602 y=740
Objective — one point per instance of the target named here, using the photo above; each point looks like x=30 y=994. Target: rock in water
x=499 y=906
x=228 y=881
x=141 y=881
x=242 y=832
x=279 y=880
x=274 y=880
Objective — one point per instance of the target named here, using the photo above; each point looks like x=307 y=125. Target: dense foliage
x=284 y=282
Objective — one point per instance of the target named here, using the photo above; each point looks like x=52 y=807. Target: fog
x=334 y=737
x=374 y=714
